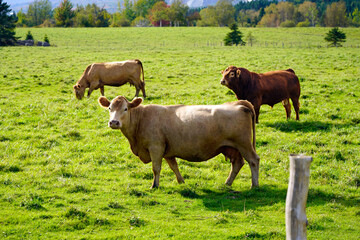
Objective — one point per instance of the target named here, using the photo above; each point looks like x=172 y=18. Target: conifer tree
x=335 y=37
x=7 y=25
x=46 y=39
x=64 y=14
x=29 y=36
x=234 y=37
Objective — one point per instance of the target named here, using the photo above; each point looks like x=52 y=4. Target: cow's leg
x=296 y=105
x=254 y=161
x=137 y=91
x=102 y=91
x=90 y=91
x=287 y=107
x=137 y=85
x=236 y=164
x=174 y=166
x=92 y=88
x=156 y=154
x=257 y=112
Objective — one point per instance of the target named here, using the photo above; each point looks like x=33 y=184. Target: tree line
x=262 y=13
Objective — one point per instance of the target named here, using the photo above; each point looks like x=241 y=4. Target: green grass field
x=64 y=174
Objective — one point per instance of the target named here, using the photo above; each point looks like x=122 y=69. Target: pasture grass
x=65 y=175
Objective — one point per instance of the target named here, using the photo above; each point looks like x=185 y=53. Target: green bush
x=287 y=24
x=303 y=24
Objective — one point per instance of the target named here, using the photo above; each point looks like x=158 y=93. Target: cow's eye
x=125 y=109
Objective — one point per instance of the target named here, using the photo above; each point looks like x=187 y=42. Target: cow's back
x=115 y=73
x=278 y=85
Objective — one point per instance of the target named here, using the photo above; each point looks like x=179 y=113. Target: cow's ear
x=135 y=102
x=104 y=102
x=222 y=71
x=238 y=72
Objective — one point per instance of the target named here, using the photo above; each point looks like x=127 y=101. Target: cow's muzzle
x=115 y=124
x=222 y=82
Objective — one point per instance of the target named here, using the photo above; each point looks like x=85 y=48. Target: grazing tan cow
x=264 y=88
x=194 y=133
x=97 y=75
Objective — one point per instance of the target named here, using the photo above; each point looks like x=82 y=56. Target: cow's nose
x=114 y=124
x=222 y=81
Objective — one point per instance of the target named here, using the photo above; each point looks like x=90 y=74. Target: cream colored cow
x=97 y=75
x=194 y=133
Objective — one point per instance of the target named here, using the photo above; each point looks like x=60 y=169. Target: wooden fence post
x=295 y=215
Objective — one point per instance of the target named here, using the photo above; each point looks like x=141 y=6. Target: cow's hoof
x=154 y=186
x=228 y=184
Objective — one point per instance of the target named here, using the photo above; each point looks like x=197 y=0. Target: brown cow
x=194 y=133
x=97 y=75
x=264 y=88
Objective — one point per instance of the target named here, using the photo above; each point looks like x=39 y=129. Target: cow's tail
x=142 y=70
x=249 y=106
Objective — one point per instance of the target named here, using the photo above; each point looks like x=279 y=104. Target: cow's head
x=230 y=75
x=79 y=91
x=119 y=109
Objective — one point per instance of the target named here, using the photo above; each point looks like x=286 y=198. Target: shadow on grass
x=317 y=197
x=150 y=98
x=251 y=199
x=307 y=126
x=238 y=201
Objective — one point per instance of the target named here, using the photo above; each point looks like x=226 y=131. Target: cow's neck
x=130 y=128
x=245 y=91
x=83 y=82
x=239 y=90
